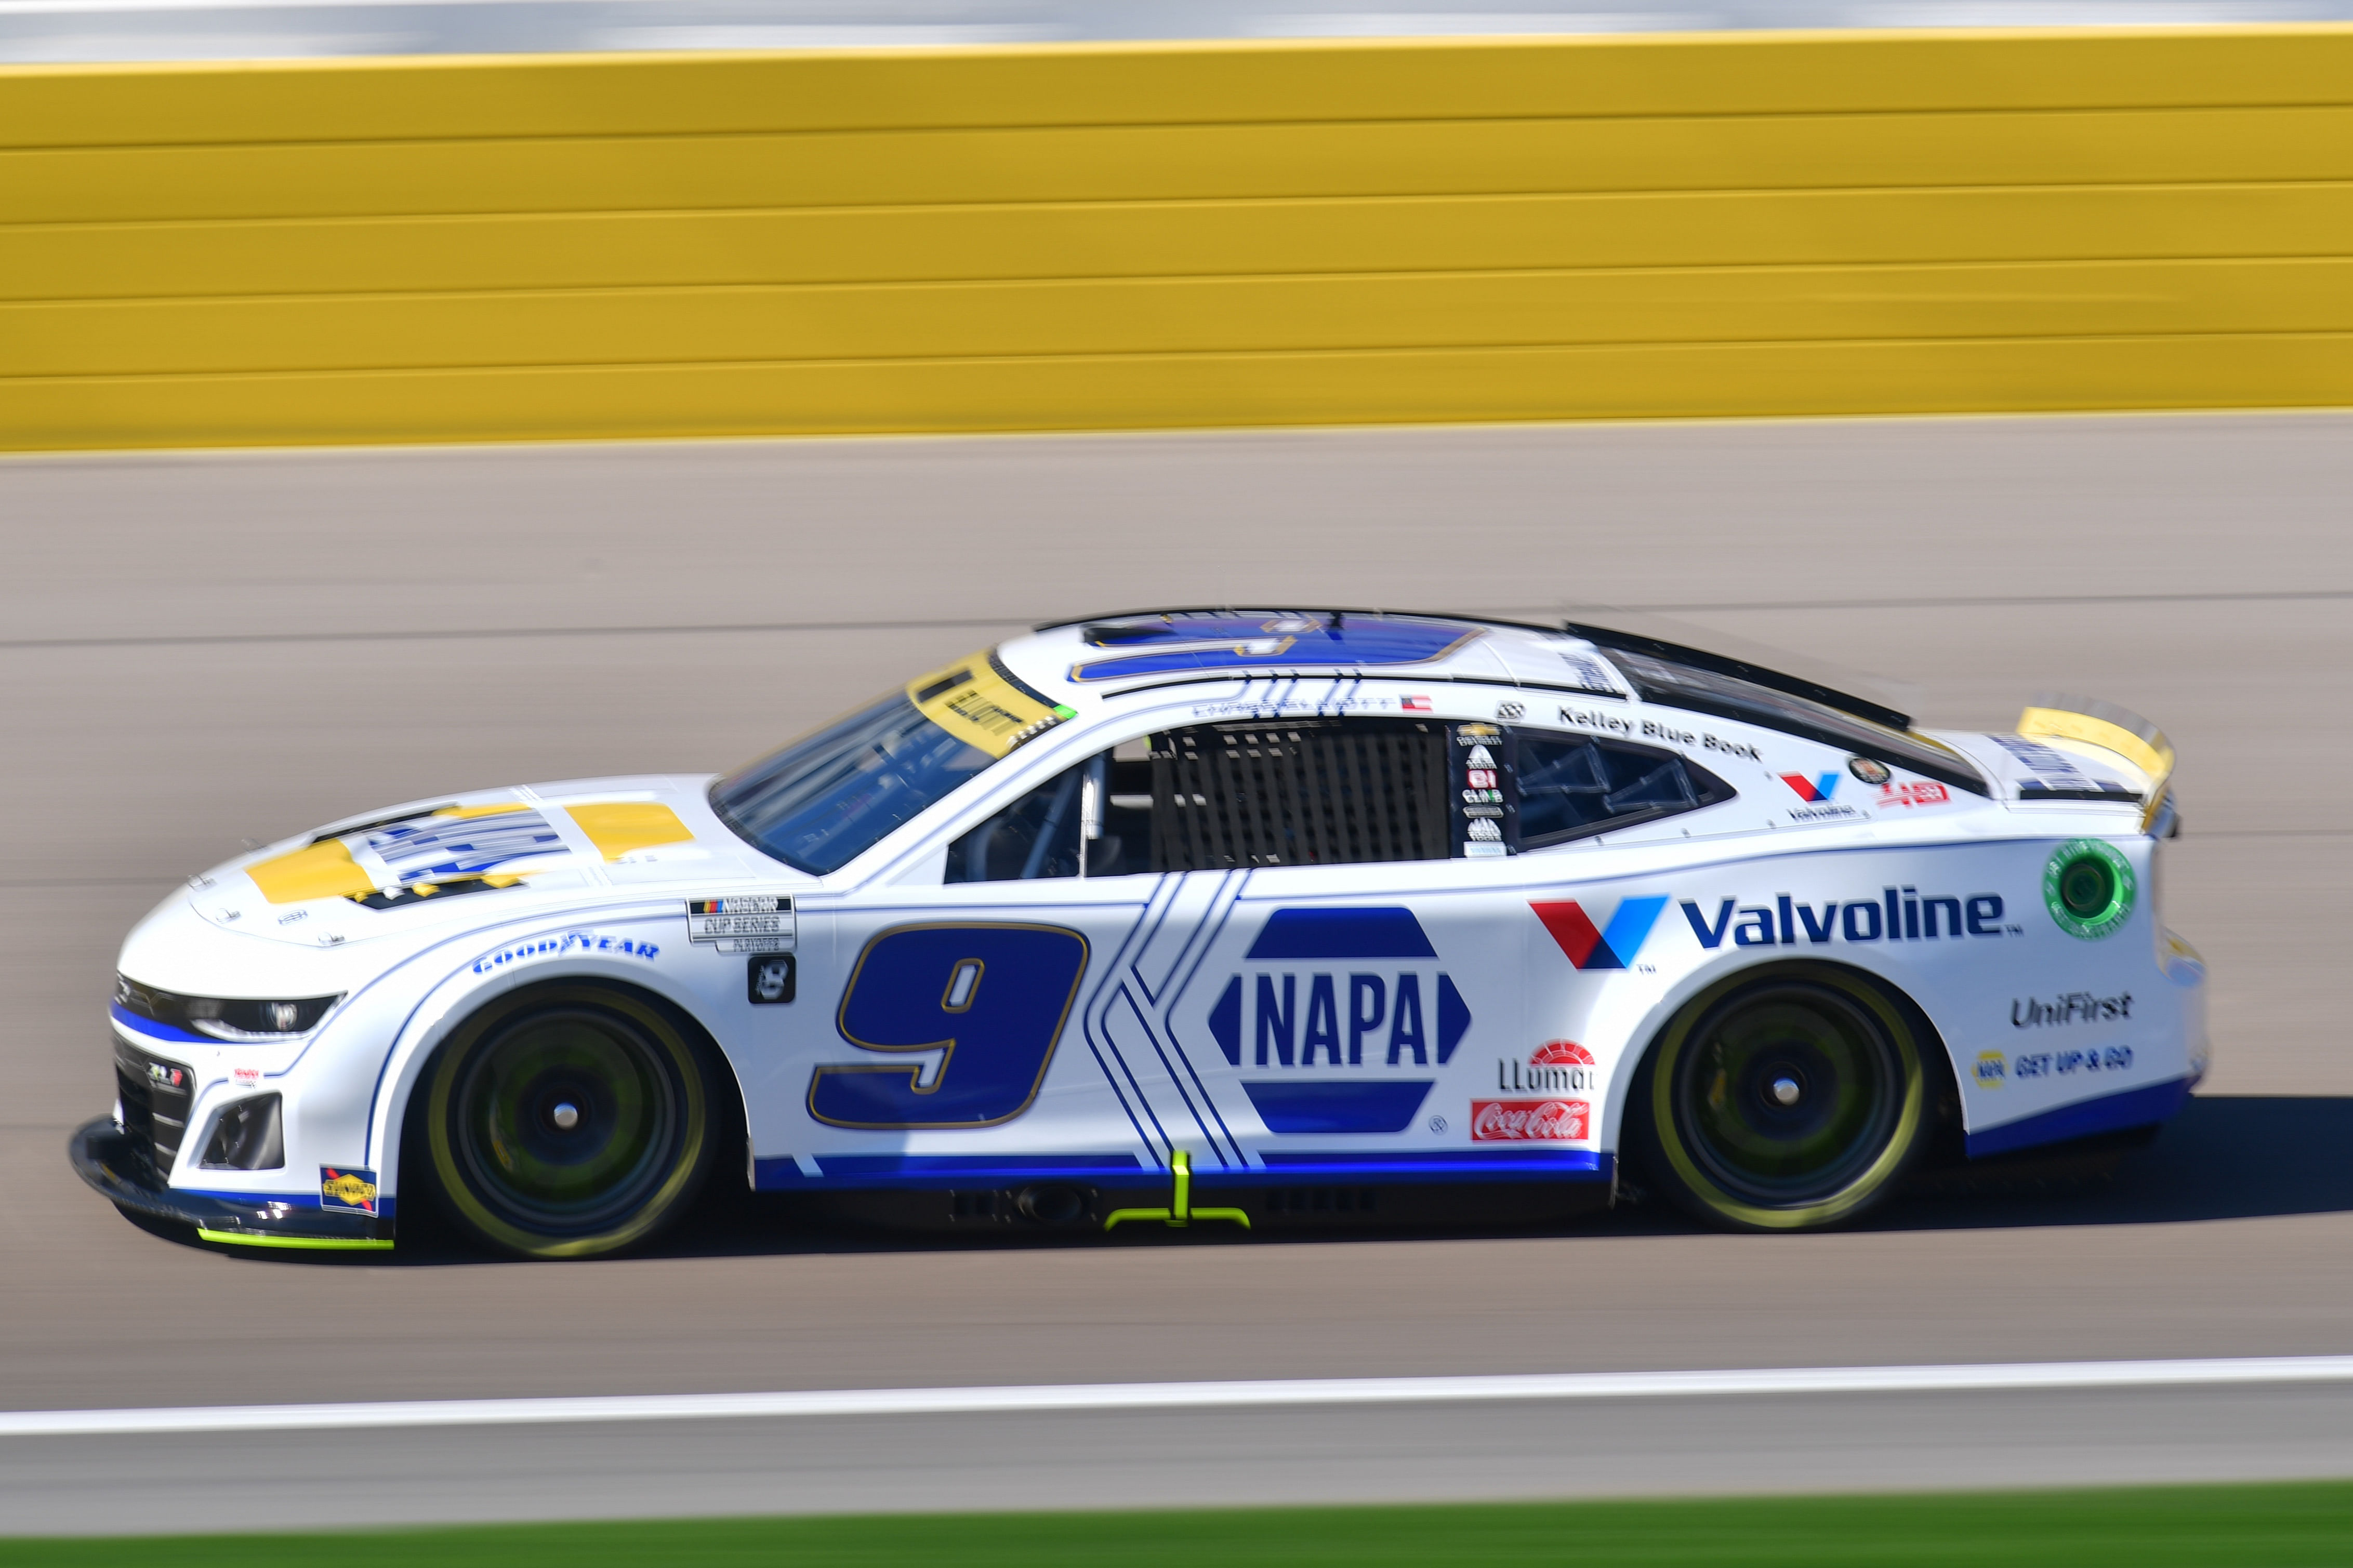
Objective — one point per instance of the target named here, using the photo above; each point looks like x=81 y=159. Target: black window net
x=1319 y=792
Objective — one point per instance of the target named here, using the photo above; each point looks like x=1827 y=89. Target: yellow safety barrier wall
x=1072 y=237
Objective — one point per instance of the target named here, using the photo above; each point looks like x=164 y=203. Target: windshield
x=828 y=797
x=821 y=801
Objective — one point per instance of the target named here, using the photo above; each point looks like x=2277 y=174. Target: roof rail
x=1341 y=610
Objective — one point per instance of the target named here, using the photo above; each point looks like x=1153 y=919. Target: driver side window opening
x=1091 y=820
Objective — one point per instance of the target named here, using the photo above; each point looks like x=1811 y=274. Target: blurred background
x=60 y=30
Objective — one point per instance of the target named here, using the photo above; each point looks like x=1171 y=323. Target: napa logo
x=1399 y=1014
x=1336 y=1008
x=1813 y=791
x=1609 y=946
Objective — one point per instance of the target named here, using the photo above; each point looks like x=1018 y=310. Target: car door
x=946 y=1045
x=1352 y=944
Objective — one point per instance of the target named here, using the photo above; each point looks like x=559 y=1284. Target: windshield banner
x=979 y=702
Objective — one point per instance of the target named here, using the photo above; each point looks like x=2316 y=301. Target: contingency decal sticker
x=347 y=1189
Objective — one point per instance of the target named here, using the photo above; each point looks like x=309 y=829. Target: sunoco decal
x=347 y=1189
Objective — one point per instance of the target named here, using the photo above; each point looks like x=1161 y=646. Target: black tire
x=567 y=1121
x=1788 y=1101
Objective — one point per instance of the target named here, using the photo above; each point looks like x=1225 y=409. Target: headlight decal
x=237 y=1020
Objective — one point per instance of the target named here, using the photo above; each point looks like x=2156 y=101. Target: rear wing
x=2104 y=726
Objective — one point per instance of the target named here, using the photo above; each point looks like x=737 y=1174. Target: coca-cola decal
x=1557 y=1067
x=1531 y=1121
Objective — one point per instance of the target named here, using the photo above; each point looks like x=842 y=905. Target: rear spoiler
x=2091 y=722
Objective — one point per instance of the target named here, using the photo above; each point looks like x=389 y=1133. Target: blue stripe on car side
x=842 y=1171
x=845 y=1172
x=1401 y=1165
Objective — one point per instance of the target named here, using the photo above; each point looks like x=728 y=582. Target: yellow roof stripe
x=618 y=826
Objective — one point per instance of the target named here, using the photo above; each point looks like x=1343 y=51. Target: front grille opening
x=1316 y=792
x=156 y=1094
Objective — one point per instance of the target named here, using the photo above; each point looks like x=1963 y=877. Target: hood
x=481 y=855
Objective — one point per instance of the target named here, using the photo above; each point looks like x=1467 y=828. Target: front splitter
x=104 y=1156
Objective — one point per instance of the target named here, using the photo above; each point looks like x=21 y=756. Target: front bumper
x=106 y=1157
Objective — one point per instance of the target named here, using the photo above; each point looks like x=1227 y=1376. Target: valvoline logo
x=1812 y=790
x=1610 y=946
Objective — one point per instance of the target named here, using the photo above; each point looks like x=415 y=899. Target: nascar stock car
x=1184 y=917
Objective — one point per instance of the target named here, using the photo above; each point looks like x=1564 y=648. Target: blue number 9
x=993 y=997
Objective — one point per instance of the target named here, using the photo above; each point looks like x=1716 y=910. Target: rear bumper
x=106 y=1158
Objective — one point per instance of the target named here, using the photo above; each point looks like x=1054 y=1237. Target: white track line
x=1186 y=1396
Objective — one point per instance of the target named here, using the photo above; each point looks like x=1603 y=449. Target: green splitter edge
x=300 y=1243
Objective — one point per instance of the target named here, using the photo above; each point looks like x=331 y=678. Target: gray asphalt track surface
x=1165 y=1459
x=197 y=650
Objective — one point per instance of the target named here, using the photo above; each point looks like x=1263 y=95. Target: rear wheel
x=570 y=1121
x=1786 y=1102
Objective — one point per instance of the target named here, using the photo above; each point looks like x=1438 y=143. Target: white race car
x=1180 y=918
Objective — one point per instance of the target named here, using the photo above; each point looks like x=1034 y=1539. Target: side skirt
x=2144 y=1107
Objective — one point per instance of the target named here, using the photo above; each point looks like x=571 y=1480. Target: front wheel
x=566 y=1122
x=1788 y=1101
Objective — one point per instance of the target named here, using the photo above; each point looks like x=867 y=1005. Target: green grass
x=2284 y=1526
